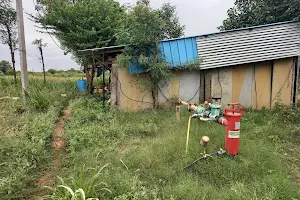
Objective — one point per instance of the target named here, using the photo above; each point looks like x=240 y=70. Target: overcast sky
x=198 y=16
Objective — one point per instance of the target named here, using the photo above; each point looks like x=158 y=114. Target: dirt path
x=59 y=153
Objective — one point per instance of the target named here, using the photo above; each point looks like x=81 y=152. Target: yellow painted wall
x=244 y=78
x=168 y=91
x=129 y=88
x=238 y=76
x=221 y=84
x=261 y=82
x=282 y=81
x=262 y=79
x=173 y=87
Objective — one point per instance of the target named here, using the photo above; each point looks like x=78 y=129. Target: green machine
x=209 y=111
x=215 y=108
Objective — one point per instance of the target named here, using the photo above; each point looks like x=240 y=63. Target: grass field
x=26 y=132
x=145 y=151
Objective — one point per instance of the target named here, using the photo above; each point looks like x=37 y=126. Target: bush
x=52 y=71
x=81 y=187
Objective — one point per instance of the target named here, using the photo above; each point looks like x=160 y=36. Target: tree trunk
x=89 y=74
x=92 y=78
x=12 y=53
x=154 y=93
x=42 y=56
x=14 y=65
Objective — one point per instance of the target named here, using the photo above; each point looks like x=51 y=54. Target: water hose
x=188 y=135
x=220 y=152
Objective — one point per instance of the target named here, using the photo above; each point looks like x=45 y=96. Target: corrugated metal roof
x=101 y=50
x=180 y=52
x=249 y=45
x=232 y=47
x=232 y=30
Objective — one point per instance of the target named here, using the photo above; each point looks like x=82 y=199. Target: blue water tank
x=81 y=85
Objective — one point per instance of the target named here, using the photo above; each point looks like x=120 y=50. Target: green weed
x=26 y=133
x=81 y=187
x=147 y=152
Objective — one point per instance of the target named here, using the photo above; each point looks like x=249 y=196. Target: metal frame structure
x=99 y=56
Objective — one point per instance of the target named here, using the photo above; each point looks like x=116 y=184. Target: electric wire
x=36 y=59
x=163 y=94
x=194 y=94
x=122 y=90
x=199 y=88
x=171 y=100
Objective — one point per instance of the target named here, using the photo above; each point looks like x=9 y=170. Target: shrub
x=51 y=71
x=81 y=188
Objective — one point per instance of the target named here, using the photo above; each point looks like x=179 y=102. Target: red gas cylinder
x=233 y=118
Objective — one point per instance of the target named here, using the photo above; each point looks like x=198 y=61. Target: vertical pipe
x=271 y=86
x=200 y=87
x=178 y=113
x=103 y=76
x=204 y=84
x=296 y=70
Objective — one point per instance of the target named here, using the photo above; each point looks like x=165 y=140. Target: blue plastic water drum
x=81 y=85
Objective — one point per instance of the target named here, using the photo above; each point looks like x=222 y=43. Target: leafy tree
x=8 y=30
x=4 y=3
x=142 y=29
x=79 y=24
x=52 y=71
x=5 y=67
x=255 y=12
x=39 y=43
x=172 y=26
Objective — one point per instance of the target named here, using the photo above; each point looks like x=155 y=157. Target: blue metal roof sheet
x=176 y=52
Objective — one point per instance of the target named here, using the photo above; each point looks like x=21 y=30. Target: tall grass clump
x=80 y=188
x=41 y=96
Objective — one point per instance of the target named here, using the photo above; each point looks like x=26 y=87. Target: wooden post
x=114 y=84
x=87 y=76
x=92 y=75
x=42 y=57
x=103 y=76
x=178 y=112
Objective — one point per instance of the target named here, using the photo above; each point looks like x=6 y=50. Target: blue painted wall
x=177 y=52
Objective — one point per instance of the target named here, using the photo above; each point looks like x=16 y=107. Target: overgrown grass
x=146 y=152
x=26 y=132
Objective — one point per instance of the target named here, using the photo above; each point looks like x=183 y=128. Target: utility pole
x=40 y=45
x=44 y=72
x=22 y=46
